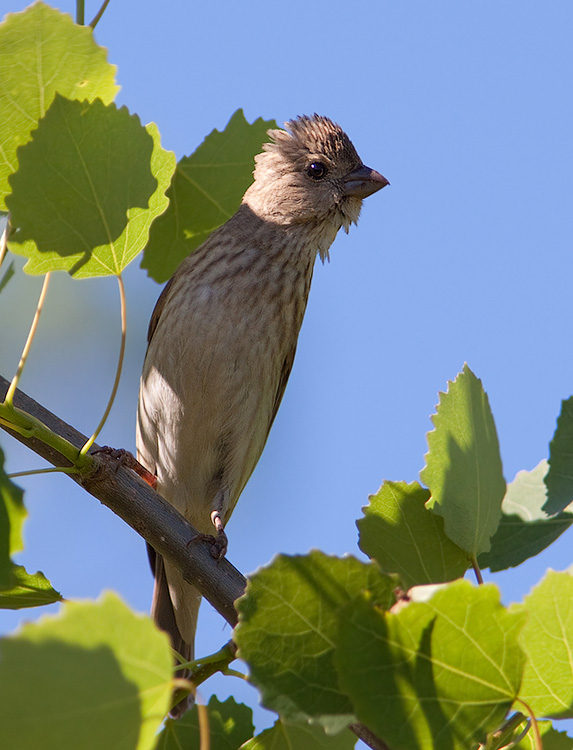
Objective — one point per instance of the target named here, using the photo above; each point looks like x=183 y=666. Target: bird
x=222 y=340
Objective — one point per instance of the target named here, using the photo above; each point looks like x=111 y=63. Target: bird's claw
x=218 y=542
x=124 y=458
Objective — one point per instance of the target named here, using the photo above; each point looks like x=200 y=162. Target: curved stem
x=80 y=12
x=99 y=14
x=204 y=735
x=55 y=470
x=16 y=379
x=477 y=571
x=4 y=244
x=123 y=313
x=537 y=744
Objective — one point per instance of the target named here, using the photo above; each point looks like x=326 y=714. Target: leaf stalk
x=123 y=315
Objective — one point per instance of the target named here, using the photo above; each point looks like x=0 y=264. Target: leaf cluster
x=394 y=647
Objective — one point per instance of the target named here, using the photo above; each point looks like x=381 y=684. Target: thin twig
x=477 y=571
x=54 y=470
x=80 y=12
x=32 y=332
x=368 y=737
x=204 y=734
x=99 y=14
x=123 y=313
x=4 y=244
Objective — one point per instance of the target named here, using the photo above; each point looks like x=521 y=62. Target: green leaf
x=85 y=173
x=27 y=590
x=12 y=516
x=43 y=52
x=285 y=736
x=441 y=672
x=559 y=479
x=550 y=737
x=18 y=588
x=96 y=676
x=405 y=538
x=230 y=724
x=547 y=639
x=463 y=466
x=206 y=190
x=525 y=529
x=6 y=276
x=288 y=620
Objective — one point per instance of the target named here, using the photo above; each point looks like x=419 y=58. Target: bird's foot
x=218 y=541
x=127 y=459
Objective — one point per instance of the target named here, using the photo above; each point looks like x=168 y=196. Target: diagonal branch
x=142 y=508
x=151 y=517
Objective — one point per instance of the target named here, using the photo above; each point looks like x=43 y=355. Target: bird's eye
x=316 y=170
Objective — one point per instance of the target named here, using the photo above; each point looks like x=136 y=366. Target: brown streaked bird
x=223 y=336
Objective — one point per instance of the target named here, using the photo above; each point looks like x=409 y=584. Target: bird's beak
x=363 y=181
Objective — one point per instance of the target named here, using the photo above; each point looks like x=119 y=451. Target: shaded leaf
x=6 y=276
x=288 y=620
x=18 y=589
x=12 y=516
x=525 y=529
x=113 y=258
x=439 y=673
x=85 y=170
x=206 y=190
x=97 y=676
x=405 y=538
x=559 y=479
x=27 y=590
x=463 y=465
x=43 y=52
x=230 y=724
x=547 y=639
x=285 y=736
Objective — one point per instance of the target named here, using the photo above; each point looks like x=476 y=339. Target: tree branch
x=142 y=508
x=134 y=501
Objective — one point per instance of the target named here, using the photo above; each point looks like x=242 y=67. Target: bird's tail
x=175 y=608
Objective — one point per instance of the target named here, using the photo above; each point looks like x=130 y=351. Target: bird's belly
x=211 y=416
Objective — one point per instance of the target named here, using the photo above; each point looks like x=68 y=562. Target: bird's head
x=311 y=172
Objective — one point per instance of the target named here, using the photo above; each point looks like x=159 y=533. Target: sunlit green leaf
x=550 y=737
x=97 y=675
x=206 y=190
x=463 y=465
x=288 y=620
x=82 y=177
x=547 y=639
x=43 y=52
x=27 y=590
x=405 y=538
x=438 y=673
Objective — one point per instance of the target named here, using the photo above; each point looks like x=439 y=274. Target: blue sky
x=467 y=110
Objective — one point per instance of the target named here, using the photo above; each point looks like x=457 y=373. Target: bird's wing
x=158 y=309
x=283 y=380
